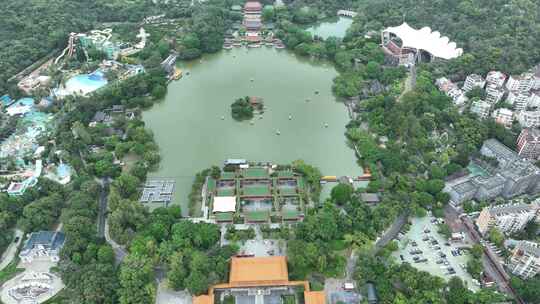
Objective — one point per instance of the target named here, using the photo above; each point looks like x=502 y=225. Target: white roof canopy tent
x=420 y=40
x=224 y=204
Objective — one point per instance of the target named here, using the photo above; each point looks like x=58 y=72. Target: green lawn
x=285 y=174
x=257 y=216
x=227 y=216
x=10 y=271
x=290 y=214
x=256 y=190
x=288 y=299
x=227 y=175
x=211 y=186
x=225 y=192
x=287 y=191
x=255 y=173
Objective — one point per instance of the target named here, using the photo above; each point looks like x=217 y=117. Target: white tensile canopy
x=425 y=39
x=224 y=204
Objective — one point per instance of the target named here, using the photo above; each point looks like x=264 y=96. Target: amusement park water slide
x=100 y=36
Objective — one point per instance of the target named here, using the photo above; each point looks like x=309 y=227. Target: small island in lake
x=244 y=108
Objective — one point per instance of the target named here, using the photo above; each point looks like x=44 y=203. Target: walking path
x=119 y=251
x=410 y=82
x=10 y=252
x=391 y=233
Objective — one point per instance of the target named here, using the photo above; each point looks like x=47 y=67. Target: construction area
x=257 y=194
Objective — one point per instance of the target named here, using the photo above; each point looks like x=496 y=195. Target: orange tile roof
x=261 y=269
x=204 y=299
x=314 y=297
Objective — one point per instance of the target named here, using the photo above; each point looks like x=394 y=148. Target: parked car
x=16 y=240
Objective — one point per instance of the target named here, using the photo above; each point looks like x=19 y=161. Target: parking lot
x=425 y=249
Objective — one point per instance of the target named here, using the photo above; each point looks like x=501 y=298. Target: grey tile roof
x=489 y=182
x=510 y=208
x=464 y=187
x=51 y=240
x=500 y=150
x=370 y=197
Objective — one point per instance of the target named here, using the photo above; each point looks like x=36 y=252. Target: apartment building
x=473 y=81
x=520 y=100
x=494 y=93
x=521 y=83
x=525 y=259
x=496 y=78
x=451 y=90
x=529 y=119
x=481 y=108
x=503 y=117
x=528 y=143
x=507 y=218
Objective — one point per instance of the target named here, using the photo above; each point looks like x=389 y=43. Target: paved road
x=391 y=233
x=491 y=265
x=102 y=214
x=10 y=252
x=410 y=82
x=351 y=266
x=103 y=223
x=119 y=251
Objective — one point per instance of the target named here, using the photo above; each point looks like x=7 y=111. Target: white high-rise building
x=528 y=143
x=529 y=119
x=508 y=218
x=521 y=83
x=473 y=81
x=520 y=100
x=495 y=77
x=481 y=108
x=525 y=260
x=451 y=90
x=494 y=93
x=534 y=101
x=503 y=116
x=536 y=85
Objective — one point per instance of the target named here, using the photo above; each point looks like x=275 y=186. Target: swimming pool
x=63 y=171
x=477 y=170
x=21 y=106
x=83 y=84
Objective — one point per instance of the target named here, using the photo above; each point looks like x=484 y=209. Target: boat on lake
x=177 y=74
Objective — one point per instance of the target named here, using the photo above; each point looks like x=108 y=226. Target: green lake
x=192 y=136
x=337 y=28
